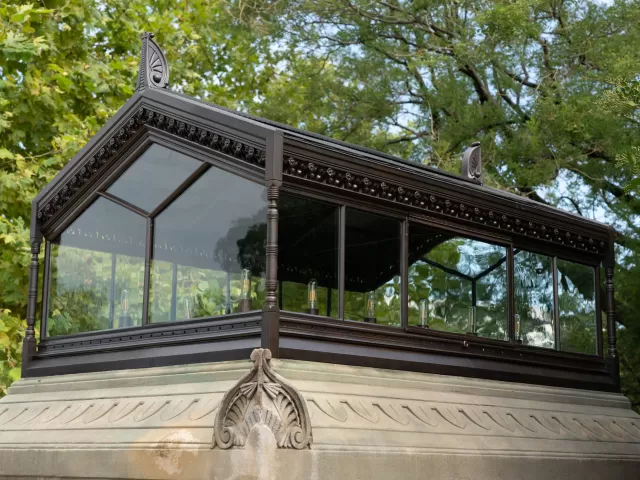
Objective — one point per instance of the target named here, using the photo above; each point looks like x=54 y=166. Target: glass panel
x=372 y=268
x=202 y=243
x=457 y=284
x=97 y=271
x=533 y=279
x=308 y=256
x=153 y=177
x=577 y=304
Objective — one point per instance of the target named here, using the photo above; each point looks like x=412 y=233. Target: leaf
x=5 y=154
x=15 y=374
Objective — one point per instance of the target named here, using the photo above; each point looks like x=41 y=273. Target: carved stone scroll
x=154 y=68
x=472 y=163
x=262 y=397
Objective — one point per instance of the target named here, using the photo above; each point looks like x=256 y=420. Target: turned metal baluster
x=29 y=343
x=613 y=364
x=271 y=312
x=271 y=284
x=611 y=315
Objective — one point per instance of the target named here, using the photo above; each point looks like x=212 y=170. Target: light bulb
x=245 y=292
x=313 y=294
x=370 y=300
x=472 y=320
x=424 y=312
x=187 y=312
x=124 y=302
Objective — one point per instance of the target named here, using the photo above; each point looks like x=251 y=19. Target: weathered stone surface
x=367 y=424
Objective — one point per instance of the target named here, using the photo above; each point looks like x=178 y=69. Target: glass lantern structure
x=184 y=232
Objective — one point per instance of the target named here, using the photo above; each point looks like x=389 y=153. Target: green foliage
x=623 y=101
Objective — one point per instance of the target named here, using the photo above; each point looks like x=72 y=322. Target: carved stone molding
x=469 y=419
x=262 y=397
x=145 y=117
x=438 y=204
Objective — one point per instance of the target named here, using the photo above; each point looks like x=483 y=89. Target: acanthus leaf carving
x=154 y=68
x=472 y=163
x=262 y=397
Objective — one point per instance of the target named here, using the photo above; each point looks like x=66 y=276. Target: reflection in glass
x=577 y=305
x=464 y=282
x=533 y=282
x=97 y=271
x=153 y=177
x=307 y=256
x=372 y=269
x=313 y=296
x=203 y=242
x=424 y=313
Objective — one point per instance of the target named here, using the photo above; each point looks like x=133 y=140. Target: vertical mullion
x=511 y=293
x=227 y=298
x=147 y=271
x=599 y=340
x=174 y=291
x=112 y=292
x=46 y=282
x=342 y=232
x=404 y=273
x=556 y=304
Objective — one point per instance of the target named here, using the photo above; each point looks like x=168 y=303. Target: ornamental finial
x=472 y=163
x=154 y=69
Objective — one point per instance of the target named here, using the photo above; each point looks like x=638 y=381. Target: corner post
x=612 y=352
x=273 y=178
x=29 y=342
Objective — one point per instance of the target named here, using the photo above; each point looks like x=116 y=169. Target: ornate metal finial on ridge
x=472 y=163
x=154 y=69
x=262 y=397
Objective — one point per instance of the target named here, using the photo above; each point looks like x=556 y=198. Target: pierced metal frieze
x=437 y=204
x=146 y=117
x=262 y=397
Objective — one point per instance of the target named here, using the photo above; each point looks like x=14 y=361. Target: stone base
x=366 y=424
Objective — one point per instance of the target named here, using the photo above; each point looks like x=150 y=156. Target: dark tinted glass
x=457 y=284
x=97 y=271
x=533 y=281
x=153 y=177
x=372 y=268
x=307 y=253
x=202 y=243
x=577 y=305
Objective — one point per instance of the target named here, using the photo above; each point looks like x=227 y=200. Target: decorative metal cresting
x=262 y=397
x=154 y=68
x=472 y=163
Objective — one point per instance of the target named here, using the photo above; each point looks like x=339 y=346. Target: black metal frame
x=347 y=176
